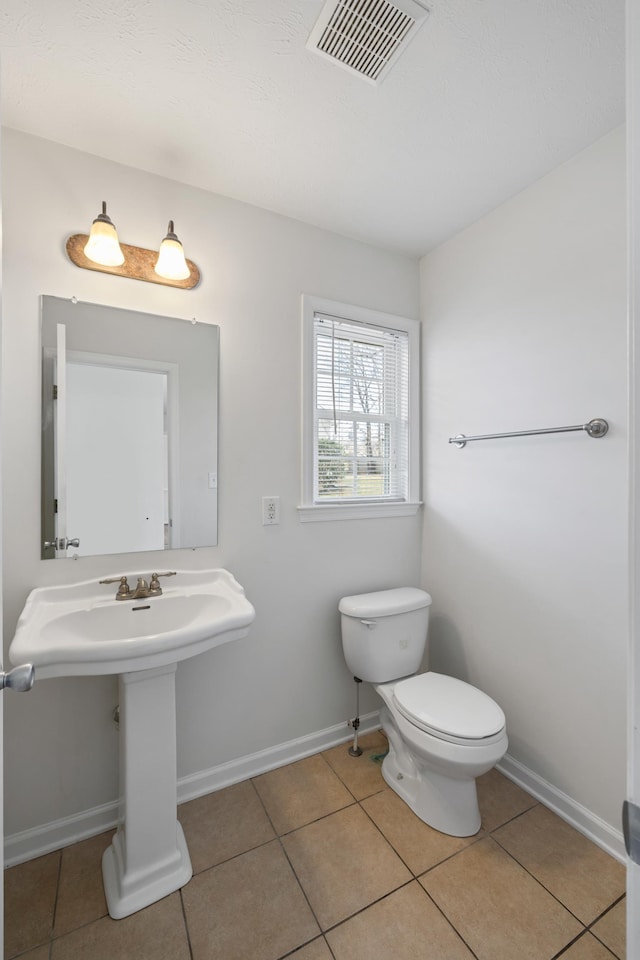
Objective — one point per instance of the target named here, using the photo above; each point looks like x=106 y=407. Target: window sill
x=356 y=511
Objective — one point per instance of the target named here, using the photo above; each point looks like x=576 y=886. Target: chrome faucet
x=143 y=589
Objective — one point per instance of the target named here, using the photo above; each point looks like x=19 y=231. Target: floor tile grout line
x=541 y=884
x=598 y=919
x=449 y=921
x=308 y=823
x=391 y=893
x=413 y=878
x=276 y=835
x=580 y=936
x=186 y=922
x=386 y=839
x=336 y=774
x=81 y=926
x=451 y=856
x=302 y=889
x=341 y=779
x=323 y=931
x=605 y=945
x=290 y=953
x=483 y=834
x=516 y=816
x=293 y=829
x=55 y=901
x=356 y=803
x=570 y=944
x=28 y=950
x=235 y=856
x=607 y=910
x=329 y=947
x=49 y=939
x=291 y=867
x=287 y=833
x=476 y=839
x=489 y=836
x=389 y=844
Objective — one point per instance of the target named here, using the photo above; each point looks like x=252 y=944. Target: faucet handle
x=124 y=590
x=154 y=586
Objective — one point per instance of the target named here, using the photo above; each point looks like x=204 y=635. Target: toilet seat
x=448 y=709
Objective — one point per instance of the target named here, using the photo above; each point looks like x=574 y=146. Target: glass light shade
x=171 y=263
x=103 y=246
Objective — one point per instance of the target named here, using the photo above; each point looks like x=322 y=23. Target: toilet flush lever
x=369 y=623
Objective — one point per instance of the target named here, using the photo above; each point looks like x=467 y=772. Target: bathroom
x=522 y=544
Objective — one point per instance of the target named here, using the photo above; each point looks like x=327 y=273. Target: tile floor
x=319 y=860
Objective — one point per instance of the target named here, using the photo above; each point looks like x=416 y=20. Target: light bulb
x=103 y=246
x=171 y=262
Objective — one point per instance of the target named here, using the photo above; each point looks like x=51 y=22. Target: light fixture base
x=139 y=264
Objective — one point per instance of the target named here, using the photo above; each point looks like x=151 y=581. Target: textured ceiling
x=223 y=95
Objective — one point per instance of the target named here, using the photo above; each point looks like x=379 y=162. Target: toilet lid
x=446 y=706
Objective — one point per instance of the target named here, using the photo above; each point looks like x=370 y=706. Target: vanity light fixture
x=102 y=251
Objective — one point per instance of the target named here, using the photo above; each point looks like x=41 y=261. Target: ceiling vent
x=366 y=36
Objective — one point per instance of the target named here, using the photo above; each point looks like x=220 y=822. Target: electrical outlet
x=270 y=510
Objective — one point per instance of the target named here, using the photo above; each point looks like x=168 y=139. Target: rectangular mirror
x=129 y=431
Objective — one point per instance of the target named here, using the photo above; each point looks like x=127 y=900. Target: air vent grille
x=366 y=36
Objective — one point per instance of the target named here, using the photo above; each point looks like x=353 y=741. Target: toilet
x=443 y=733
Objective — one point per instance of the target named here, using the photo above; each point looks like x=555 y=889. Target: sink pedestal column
x=148 y=858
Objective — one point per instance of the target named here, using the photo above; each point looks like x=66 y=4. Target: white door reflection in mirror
x=115 y=457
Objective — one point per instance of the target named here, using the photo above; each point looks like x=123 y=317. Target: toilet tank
x=384 y=634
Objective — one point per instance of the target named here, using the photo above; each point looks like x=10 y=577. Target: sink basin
x=80 y=629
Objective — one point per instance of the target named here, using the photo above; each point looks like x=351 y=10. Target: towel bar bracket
x=597 y=428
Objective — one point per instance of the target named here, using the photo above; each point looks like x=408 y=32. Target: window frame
x=310 y=509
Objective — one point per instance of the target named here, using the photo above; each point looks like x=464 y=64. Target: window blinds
x=361 y=391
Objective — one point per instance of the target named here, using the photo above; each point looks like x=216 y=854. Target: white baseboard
x=584 y=820
x=29 y=844
x=208 y=781
x=37 y=841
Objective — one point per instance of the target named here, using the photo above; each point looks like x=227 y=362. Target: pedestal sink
x=80 y=629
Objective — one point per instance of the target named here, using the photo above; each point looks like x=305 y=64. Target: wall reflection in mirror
x=129 y=431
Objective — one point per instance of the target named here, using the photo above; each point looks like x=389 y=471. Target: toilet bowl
x=434 y=771
x=443 y=733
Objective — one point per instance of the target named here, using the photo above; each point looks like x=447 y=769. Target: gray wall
x=526 y=539
x=288 y=678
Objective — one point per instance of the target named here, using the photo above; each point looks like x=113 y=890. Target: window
x=360 y=430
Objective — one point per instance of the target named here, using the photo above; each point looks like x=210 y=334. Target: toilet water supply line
x=355 y=750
